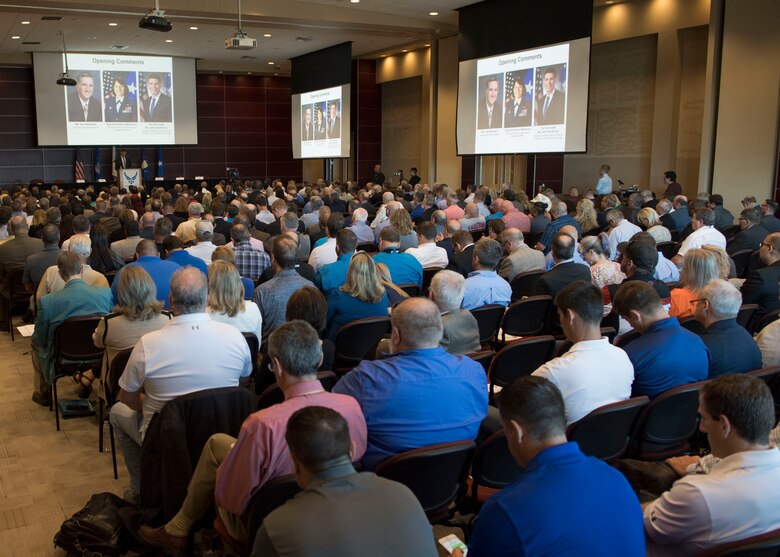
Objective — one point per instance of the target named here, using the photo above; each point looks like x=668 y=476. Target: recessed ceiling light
x=355 y=1
x=433 y=13
x=16 y=37
x=270 y=63
x=384 y=55
x=610 y=2
x=276 y=74
x=404 y=50
x=429 y=44
x=25 y=23
x=112 y=24
x=168 y=40
x=248 y=73
x=193 y=28
x=267 y=34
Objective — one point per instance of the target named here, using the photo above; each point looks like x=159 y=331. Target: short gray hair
x=289 y=221
x=419 y=322
x=195 y=209
x=448 y=289
x=297 y=346
x=80 y=244
x=359 y=215
x=724 y=298
x=189 y=291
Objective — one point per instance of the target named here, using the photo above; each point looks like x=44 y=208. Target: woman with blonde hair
x=726 y=265
x=206 y=201
x=39 y=220
x=586 y=216
x=595 y=252
x=651 y=222
x=402 y=222
x=699 y=267
x=226 y=300
x=361 y=296
x=136 y=313
x=224 y=253
x=394 y=293
x=182 y=207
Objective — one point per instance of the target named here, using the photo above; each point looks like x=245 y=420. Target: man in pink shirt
x=230 y=470
x=512 y=217
x=453 y=211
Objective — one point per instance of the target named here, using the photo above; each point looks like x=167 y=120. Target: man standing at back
x=536 y=513
x=437 y=396
x=13 y=255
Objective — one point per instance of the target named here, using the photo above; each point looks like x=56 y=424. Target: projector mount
x=65 y=78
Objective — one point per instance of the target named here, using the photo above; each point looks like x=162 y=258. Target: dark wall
x=366 y=119
x=243 y=122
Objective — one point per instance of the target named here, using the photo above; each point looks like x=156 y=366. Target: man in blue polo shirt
x=560 y=218
x=564 y=503
x=160 y=271
x=666 y=355
x=404 y=268
x=332 y=276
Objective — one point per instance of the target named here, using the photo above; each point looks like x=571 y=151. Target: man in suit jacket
x=522 y=258
x=307 y=129
x=489 y=110
x=76 y=298
x=518 y=109
x=760 y=287
x=334 y=121
x=680 y=214
x=550 y=106
x=123 y=161
x=461 y=330
x=751 y=234
x=83 y=107
x=565 y=269
x=461 y=262
x=157 y=105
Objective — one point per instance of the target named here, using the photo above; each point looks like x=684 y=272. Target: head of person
x=549 y=80
x=85 y=86
x=614 y=217
x=718 y=300
x=594 y=248
x=285 y=252
x=580 y=309
x=39 y=217
x=226 y=291
x=562 y=247
x=17 y=226
x=153 y=84
x=447 y=290
x=69 y=265
x=680 y=201
x=461 y=240
x=698 y=269
x=638 y=303
x=308 y=304
x=295 y=352
x=663 y=207
x=147 y=220
x=495 y=228
x=50 y=235
x=426 y=233
x=81 y=245
x=346 y=242
x=195 y=210
x=749 y=201
x=307 y=115
x=189 y=291
x=511 y=239
x=770 y=248
x=518 y=90
x=333 y=110
x=378 y=168
x=533 y=417
x=604 y=169
x=162 y=229
x=471 y=211
x=491 y=90
x=670 y=176
x=487 y=254
x=318 y=439
x=362 y=280
x=769 y=207
x=737 y=414
x=288 y=221
x=648 y=217
x=715 y=200
x=748 y=218
x=137 y=295
x=639 y=255
x=119 y=87
x=389 y=238
x=402 y=222
x=702 y=217
x=335 y=223
x=416 y=324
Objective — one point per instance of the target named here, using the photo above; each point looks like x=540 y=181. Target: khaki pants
x=41 y=387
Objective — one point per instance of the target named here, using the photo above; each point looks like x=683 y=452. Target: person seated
x=175 y=253
x=52 y=280
x=593 y=372
x=527 y=517
x=230 y=471
x=666 y=355
x=461 y=260
x=441 y=397
x=359 y=227
x=638 y=260
x=595 y=252
x=651 y=222
x=751 y=232
x=732 y=349
x=161 y=271
x=446 y=232
x=761 y=285
x=125 y=249
x=460 y=329
x=472 y=219
x=395 y=294
x=704 y=232
x=402 y=222
x=326 y=252
x=404 y=268
x=227 y=303
x=332 y=276
x=768 y=219
x=319 y=444
x=520 y=258
x=565 y=269
x=699 y=268
x=738 y=498
x=513 y=218
x=620 y=230
x=427 y=252
x=560 y=218
x=159 y=369
x=483 y=285
x=549 y=260
x=361 y=295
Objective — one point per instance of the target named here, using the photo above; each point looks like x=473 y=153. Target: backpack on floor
x=96 y=529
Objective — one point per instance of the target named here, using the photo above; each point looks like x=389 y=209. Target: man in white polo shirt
x=427 y=252
x=191 y=353
x=704 y=232
x=593 y=372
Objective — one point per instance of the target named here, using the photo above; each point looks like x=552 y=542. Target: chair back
x=355 y=339
x=671 y=285
x=73 y=347
x=741 y=259
x=766 y=319
x=18 y=293
x=428 y=273
x=524 y=284
x=520 y=358
x=668 y=249
x=411 y=289
x=115 y=371
x=624 y=339
x=267 y=499
x=274 y=394
x=761 y=545
x=566 y=345
x=667 y=424
x=526 y=317
x=254 y=351
x=483 y=357
x=488 y=319
x=691 y=324
x=477 y=234
x=367 y=247
x=435 y=474
x=746 y=313
x=606 y=432
x=766 y=373
x=494 y=467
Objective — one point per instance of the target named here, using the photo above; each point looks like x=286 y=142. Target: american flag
x=561 y=79
x=108 y=82
x=78 y=167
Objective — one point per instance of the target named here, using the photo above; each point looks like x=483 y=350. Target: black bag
x=96 y=529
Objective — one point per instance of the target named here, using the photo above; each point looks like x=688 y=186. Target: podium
x=129 y=177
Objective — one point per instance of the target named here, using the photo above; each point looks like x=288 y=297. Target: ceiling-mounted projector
x=240 y=41
x=66 y=80
x=155 y=20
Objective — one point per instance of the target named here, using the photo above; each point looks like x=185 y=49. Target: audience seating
x=766 y=373
x=488 y=319
x=624 y=339
x=435 y=474
x=367 y=247
x=666 y=425
x=524 y=284
x=762 y=545
x=254 y=351
x=668 y=249
x=477 y=234
x=730 y=231
x=484 y=357
x=741 y=259
x=493 y=468
x=412 y=290
x=74 y=352
x=356 y=339
x=111 y=394
x=746 y=314
x=428 y=273
x=605 y=433
x=566 y=345
x=612 y=321
x=674 y=284
x=526 y=317
x=18 y=297
x=765 y=320
x=519 y=358
x=691 y=324
x=274 y=394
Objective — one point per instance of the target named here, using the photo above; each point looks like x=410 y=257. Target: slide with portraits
x=321 y=123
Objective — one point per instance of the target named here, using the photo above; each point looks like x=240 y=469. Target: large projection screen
x=320 y=123
x=531 y=101
x=119 y=100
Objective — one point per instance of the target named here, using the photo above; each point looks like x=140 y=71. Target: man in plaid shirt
x=250 y=262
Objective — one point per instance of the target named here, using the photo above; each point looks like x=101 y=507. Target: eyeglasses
x=693 y=302
x=765 y=245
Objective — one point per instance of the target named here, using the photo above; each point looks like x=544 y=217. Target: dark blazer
x=747 y=239
x=669 y=222
x=517 y=116
x=221 y=226
x=760 y=288
x=482 y=115
x=771 y=223
x=319 y=129
x=732 y=349
x=555 y=112
x=335 y=130
x=274 y=229
x=681 y=218
x=163 y=112
x=125 y=113
x=723 y=217
x=76 y=114
x=446 y=245
x=307 y=134
x=559 y=276
x=461 y=262
x=118 y=163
